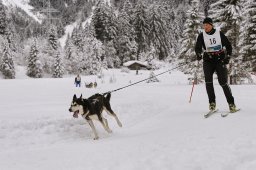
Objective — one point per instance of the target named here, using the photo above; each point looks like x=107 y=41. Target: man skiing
x=214 y=60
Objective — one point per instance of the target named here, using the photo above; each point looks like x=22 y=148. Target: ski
x=227 y=113
x=211 y=112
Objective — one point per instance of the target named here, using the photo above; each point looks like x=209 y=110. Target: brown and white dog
x=92 y=108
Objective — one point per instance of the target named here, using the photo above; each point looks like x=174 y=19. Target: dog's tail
x=108 y=95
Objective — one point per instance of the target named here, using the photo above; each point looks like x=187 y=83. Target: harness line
x=142 y=80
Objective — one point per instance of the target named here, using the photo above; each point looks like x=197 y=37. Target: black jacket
x=200 y=44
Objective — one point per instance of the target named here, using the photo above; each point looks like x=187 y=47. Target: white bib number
x=212 y=42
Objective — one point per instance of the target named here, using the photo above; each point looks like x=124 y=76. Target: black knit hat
x=207 y=20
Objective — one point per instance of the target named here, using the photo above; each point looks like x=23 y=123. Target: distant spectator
x=78 y=81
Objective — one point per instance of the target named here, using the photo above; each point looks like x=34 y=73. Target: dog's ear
x=74 y=97
x=81 y=97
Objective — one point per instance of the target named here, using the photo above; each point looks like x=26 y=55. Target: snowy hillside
x=161 y=130
x=23 y=4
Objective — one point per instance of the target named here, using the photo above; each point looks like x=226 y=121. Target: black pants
x=217 y=66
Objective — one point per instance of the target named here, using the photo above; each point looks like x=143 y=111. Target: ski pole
x=192 y=91
x=194 y=82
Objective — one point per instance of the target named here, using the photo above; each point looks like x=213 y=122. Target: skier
x=78 y=81
x=215 y=60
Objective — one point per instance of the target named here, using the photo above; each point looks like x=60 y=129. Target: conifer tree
x=72 y=56
x=91 y=60
x=141 y=27
x=34 y=68
x=152 y=78
x=50 y=50
x=111 y=59
x=52 y=37
x=177 y=28
x=128 y=8
x=157 y=31
x=58 y=68
x=247 y=38
x=3 y=19
x=7 y=64
x=104 y=22
x=77 y=36
x=192 y=27
x=125 y=34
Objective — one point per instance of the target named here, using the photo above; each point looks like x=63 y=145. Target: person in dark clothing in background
x=78 y=81
x=212 y=41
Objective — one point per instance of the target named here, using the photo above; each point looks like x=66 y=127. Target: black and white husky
x=92 y=108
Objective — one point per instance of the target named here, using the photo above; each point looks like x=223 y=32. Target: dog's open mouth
x=75 y=115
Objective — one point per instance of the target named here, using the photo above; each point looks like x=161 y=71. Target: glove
x=226 y=60
x=199 y=56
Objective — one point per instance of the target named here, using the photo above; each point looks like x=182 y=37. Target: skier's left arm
x=226 y=43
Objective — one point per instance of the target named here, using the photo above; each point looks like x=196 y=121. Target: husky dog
x=92 y=108
x=95 y=84
x=90 y=85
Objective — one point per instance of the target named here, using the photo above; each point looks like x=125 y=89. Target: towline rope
x=143 y=80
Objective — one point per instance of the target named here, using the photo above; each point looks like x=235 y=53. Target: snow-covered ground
x=161 y=129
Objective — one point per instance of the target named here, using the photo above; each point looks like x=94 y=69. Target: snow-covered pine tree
x=128 y=8
x=206 y=5
x=72 y=58
x=34 y=68
x=191 y=30
x=68 y=47
x=11 y=37
x=226 y=14
x=3 y=19
x=126 y=49
x=171 y=32
x=7 y=65
x=125 y=34
x=104 y=22
x=141 y=27
x=58 y=68
x=150 y=57
x=110 y=57
x=90 y=61
x=88 y=30
x=50 y=50
x=77 y=36
x=152 y=78
x=177 y=28
x=157 y=30
x=247 y=39
x=98 y=51
x=2 y=41
x=52 y=37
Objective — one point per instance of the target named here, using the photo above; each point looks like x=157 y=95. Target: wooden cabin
x=135 y=65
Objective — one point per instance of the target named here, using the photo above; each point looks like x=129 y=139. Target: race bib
x=212 y=42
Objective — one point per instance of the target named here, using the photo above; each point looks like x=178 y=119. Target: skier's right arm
x=199 y=46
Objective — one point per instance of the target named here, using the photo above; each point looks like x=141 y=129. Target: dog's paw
x=96 y=138
x=110 y=131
